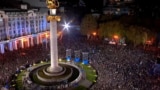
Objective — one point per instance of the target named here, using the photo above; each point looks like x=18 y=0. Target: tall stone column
x=22 y=43
x=28 y=44
x=10 y=46
x=35 y=29
x=15 y=45
x=53 y=47
x=32 y=43
x=53 y=18
x=29 y=26
x=2 y=48
x=16 y=33
x=20 y=23
x=40 y=39
x=37 y=39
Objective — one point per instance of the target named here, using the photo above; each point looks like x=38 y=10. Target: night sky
x=93 y=3
x=147 y=5
x=89 y=3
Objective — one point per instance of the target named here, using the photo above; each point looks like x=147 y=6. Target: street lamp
x=116 y=38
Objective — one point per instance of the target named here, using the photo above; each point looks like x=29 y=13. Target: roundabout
x=74 y=77
x=39 y=78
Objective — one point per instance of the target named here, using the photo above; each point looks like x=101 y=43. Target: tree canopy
x=111 y=28
x=88 y=24
x=123 y=28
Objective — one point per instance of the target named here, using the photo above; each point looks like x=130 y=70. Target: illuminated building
x=21 y=29
x=117 y=7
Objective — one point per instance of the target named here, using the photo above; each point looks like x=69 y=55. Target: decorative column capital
x=53 y=18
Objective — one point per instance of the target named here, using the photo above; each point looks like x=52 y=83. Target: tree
x=88 y=25
x=111 y=28
x=136 y=35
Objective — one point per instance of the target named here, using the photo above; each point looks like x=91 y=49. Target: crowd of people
x=12 y=61
x=123 y=68
x=118 y=67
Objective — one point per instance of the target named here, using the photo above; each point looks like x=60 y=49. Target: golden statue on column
x=52 y=5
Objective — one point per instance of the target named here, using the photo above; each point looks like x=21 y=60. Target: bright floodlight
x=66 y=26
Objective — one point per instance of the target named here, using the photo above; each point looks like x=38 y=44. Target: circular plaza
x=72 y=77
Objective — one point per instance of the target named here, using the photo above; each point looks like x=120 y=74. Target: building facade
x=22 y=29
x=117 y=7
x=40 y=4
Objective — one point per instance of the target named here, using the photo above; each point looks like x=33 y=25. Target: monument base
x=54 y=69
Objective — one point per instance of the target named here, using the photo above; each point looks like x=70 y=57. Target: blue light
x=77 y=59
x=86 y=62
x=68 y=58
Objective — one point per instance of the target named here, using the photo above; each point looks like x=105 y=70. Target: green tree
x=111 y=28
x=136 y=35
x=88 y=24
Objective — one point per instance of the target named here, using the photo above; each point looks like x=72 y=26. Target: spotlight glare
x=66 y=26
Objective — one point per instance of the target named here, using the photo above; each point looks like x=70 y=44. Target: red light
x=148 y=42
x=94 y=33
x=116 y=37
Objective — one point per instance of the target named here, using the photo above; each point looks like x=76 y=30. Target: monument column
x=53 y=18
x=53 y=44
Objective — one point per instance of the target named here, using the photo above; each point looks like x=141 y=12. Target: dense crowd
x=123 y=68
x=10 y=62
x=118 y=67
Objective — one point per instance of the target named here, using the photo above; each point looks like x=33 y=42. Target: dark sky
x=93 y=3
x=89 y=3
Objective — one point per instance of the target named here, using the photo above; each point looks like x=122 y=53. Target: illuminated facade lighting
x=21 y=29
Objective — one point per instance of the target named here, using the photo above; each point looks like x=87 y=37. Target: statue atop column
x=52 y=4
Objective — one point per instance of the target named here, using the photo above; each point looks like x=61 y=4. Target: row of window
x=13 y=32
x=25 y=23
x=25 y=18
